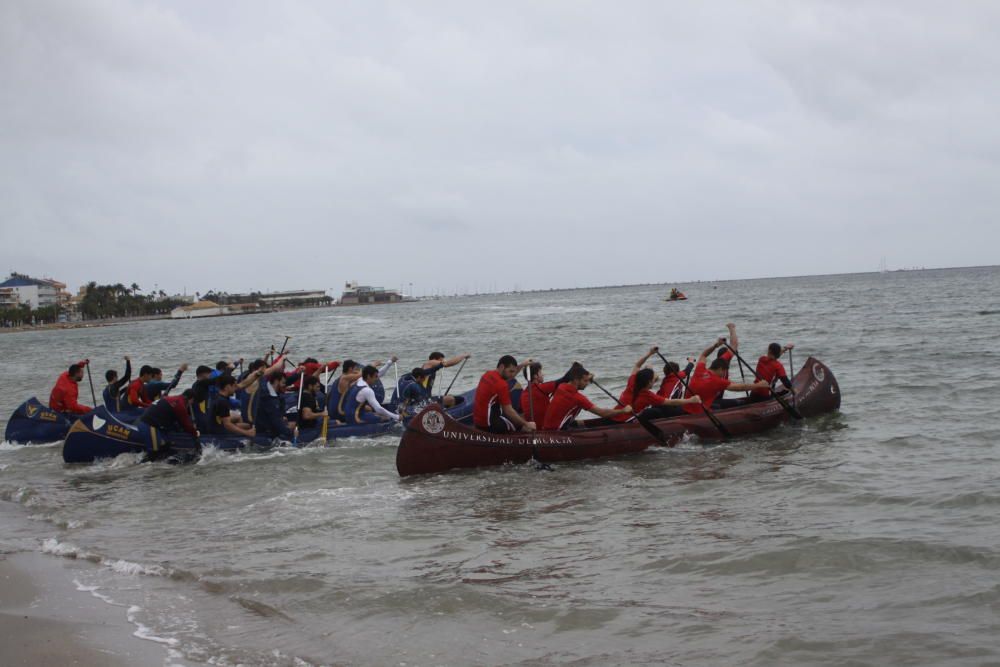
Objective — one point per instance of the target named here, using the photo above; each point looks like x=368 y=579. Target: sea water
x=865 y=537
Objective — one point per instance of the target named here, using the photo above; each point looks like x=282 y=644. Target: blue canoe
x=33 y=423
x=100 y=434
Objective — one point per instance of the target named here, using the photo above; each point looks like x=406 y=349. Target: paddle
x=395 y=374
x=708 y=410
x=791 y=374
x=781 y=401
x=283 y=345
x=531 y=402
x=90 y=379
x=457 y=373
x=645 y=423
x=326 y=412
x=298 y=413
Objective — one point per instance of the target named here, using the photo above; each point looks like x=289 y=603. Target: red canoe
x=433 y=442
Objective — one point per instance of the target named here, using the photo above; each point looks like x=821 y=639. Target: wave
x=145 y=632
x=7 y=446
x=93 y=590
x=54 y=547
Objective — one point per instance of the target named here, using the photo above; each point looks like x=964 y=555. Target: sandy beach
x=45 y=620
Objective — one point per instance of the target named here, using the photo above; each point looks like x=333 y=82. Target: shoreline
x=45 y=619
x=56 y=326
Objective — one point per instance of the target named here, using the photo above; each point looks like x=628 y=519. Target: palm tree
x=135 y=288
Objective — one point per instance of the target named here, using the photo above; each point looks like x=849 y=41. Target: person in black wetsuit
x=269 y=417
x=310 y=411
x=220 y=417
x=114 y=396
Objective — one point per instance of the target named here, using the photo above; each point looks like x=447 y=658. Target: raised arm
x=121 y=382
x=447 y=363
x=279 y=363
x=176 y=379
x=250 y=378
x=709 y=350
x=387 y=365
x=734 y=341
x=642 y=360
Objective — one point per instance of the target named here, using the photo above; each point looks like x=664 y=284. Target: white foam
x=129 y=568
x=57 y=548
x=118 y=566
x=93 y=590
x=145 y=632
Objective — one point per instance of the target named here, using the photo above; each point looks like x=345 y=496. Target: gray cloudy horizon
x=239 y=146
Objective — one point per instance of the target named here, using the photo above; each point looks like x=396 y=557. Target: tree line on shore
x=105 y=301
x=99 y=302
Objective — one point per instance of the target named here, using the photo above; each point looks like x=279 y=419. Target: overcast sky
x=279 y=145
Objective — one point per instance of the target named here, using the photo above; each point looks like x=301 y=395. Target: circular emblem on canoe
x=433 y=422
x=819 y=372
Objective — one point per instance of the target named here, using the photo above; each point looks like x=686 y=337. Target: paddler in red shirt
x=66 y=392
x=137 y=397
x=710 y=383
x=653 y=404
x=771 y=370
x=727 y=354
x=627 y=396
x=567 y=402
x=672 y=387
x=535 y=398
x=492 y=410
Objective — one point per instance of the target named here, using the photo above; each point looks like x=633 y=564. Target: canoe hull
x=34 y=423
x=434 y=443
x=101 y=435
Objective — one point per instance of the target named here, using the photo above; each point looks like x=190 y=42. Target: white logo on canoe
x=819 y=373
x=433 y=422
x=98 y=423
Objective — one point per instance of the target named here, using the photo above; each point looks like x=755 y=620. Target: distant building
x=205 y=308
x=197 y=309
x=276 y=300
x=35 y=293
x=355 y=294
x=9 y=298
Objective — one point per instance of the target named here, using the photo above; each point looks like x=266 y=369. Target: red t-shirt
x=706 y=384
x=769 y=369
x=565 y=406
x=728 y=356
x=137 y=394
x=669 y=384
x=627 y=398
x=629 y=391
x=539 y=405
x=492 y=389
x=645 y=399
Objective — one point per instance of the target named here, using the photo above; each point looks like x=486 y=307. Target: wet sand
x=45 y=620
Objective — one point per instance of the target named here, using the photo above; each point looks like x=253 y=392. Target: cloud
x=193 y=143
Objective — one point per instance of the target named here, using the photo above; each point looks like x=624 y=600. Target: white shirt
x=367 y=396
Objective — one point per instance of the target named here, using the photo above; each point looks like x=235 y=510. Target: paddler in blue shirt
x=156 y=387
